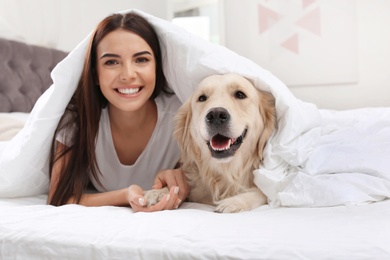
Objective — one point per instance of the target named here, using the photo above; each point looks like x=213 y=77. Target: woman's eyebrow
x=141 y=53
x=105 y=55
x=111 y=55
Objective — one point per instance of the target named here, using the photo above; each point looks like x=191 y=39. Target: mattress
x=30 y=229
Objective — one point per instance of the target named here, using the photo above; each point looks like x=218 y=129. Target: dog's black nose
x=217 y=116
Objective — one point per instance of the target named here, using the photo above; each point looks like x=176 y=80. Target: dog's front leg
x=248 y=200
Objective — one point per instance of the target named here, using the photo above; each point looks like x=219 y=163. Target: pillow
x=11 y=124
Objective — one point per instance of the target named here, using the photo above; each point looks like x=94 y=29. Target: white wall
x=373 y=87
x=64 y=23
x=373 y=83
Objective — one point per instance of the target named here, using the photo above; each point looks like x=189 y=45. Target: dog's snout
x=217 y=116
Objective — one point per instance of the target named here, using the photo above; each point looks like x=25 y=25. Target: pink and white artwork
x=303 y=42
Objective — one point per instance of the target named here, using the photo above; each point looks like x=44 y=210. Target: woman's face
x=126 y=69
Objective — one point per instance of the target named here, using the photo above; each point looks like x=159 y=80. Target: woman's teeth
x=128 y=91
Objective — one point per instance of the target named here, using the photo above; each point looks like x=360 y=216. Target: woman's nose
x=128 y=72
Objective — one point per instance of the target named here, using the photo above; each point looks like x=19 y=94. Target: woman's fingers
x=136 y=196
x=171 y=178
x=183 y=184
x=174 y=201
x=168 y=202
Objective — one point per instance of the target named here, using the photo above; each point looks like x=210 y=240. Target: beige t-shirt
x=161 y=152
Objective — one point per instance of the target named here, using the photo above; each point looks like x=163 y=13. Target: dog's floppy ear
x=182 y=126
x=268 y=114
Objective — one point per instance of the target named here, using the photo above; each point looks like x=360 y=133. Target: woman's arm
x=112 y=198
x=109 y=198
x=132 y=196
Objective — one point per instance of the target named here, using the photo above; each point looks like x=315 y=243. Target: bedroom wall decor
x=309 y=41
x=304 y=42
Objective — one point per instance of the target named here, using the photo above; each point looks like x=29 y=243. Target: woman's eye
x=239 y=95
x=110 y=62
x=142 y=60
x=202 y=98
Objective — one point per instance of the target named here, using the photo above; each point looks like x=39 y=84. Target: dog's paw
x=241 y=202
x=232 y=205
x=154 y=196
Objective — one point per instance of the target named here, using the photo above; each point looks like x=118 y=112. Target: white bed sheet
x=29 y=229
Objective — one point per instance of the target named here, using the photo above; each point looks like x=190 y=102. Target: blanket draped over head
x=316 y=158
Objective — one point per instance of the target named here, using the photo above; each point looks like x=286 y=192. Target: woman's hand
x=138 y=202
x=172 y=178
x=178 y=187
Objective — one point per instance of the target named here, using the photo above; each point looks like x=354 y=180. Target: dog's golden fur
x=219 y=175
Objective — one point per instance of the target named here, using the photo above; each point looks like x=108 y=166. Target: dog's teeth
x=221 y=148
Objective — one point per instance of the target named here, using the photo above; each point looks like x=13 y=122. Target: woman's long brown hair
x=82 y=115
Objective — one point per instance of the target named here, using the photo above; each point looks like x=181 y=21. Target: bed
x=316 y=210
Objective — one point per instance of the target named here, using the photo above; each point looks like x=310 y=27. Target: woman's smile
x=129 y=91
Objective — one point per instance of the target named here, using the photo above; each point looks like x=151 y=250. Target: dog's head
x=224 y=117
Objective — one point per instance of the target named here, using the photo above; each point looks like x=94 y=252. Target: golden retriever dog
x=222 y=130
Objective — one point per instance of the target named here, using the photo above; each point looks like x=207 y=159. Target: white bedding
x=29 y=229
x=11 y=124
x=301 y=167
x=321 y=172
x=345 y=160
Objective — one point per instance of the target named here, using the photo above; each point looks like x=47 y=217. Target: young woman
x=116 y=132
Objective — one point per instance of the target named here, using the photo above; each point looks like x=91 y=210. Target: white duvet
x=316 y=158
x=31 y=230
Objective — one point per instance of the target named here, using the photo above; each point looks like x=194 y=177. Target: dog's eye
x=202 y=98
x=239 y=95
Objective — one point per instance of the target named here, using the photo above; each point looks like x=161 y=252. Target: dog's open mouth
x=222 y=147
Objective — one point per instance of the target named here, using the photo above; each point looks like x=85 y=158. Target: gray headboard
x=24 y=74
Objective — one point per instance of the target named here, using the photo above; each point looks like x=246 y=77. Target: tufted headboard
x=24 y=74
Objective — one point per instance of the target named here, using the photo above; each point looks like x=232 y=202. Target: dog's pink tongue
x=220 y=142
